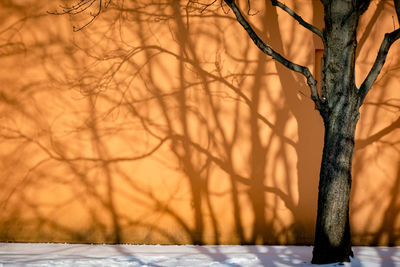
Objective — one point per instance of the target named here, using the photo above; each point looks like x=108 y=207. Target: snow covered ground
x=12 y=254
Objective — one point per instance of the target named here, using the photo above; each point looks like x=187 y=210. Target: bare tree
x=338 y=103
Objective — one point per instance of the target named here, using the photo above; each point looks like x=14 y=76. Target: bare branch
x=362 y=6
x=389 y=39
x=203 y=6
x=80 y=7
x=249 y=9
x=397 y=8
x=269 y=51
x=297 y=17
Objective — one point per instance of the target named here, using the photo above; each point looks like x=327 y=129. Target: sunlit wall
x=161 y=122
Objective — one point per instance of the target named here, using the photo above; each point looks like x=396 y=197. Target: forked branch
x=269 y=51
x=80 y=7
x=299 y=19
x=389 y=39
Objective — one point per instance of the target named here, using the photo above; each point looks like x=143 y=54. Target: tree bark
x=340 y=114
x=332 y=235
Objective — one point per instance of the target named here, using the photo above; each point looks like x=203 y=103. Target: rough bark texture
x=332 y=236
x=340 y=114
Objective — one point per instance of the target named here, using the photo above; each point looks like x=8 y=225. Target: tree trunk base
x=332 y=255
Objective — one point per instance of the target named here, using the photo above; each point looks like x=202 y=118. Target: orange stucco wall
x=158 y=123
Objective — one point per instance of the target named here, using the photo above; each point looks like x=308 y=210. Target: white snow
x=40 y=255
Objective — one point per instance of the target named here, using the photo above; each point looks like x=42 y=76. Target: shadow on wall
x=161 y=123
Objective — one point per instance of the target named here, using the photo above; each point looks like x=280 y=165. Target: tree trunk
x=332 y=236
x=338 y=103
x=340 y=114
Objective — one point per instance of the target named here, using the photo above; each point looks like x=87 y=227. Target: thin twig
x=249 y=9
x=80 y=7
x=297 y=18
